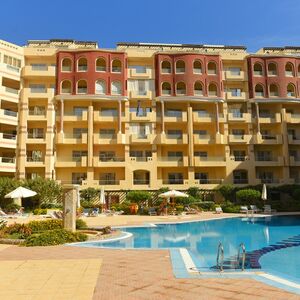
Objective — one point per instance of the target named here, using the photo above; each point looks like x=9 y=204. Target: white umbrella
x=264 y=193
x=173 y=194
x=20 y=193
x=78 y=198
x=102 y=197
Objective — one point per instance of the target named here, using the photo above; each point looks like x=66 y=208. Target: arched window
x=116 y=66
x=166 y=89
x=166 y=67
x=198 y=89
x=81 y=86
x=82 y=64
x=272 y=69
x=180 y=66
x=274 y=90
x=299 y=70
x=259 y=91
x=212 y=90
x=257 y=69
x=289 y=69
x=291 y=90
x=197 y=67
x=116 y=88
x=180 y=88
x=100 y=64
x=66 y=65
x=100 y=87
x=66 y=87
x=212 y=68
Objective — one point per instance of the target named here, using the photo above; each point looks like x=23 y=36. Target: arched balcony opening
x=272 y=69
x=141 y=177
x=289 y=70
x=198 y=89
x=197 y=67
x=299 y=70
x=116 y=88
x=100 y=87
x=82 y=64
x=258 y=69
x=66 y=65
x=116 y=66
x=100 y=64
x=166 y=67
x=259 y=91
x=212 y=90
x=66 y=87
x=81 y=87
x=166 y=89
x=291 y=91
x=180 y=88
x=180 y=66
x=274 y=90
x=212 y=68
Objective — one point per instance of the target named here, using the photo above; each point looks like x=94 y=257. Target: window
x=66 y=87
x=107 y=156
x=180 y=88
x=174 y=113
x=116 y=66
x=66 y=65
x=202 y=154
x=140 y=69
x=175 y=178
x=259 y=91
x=37 y=88
x=197 y=67
x=258 y=70
x=266 y=177
x=175 y=155
x=76 y=155
x=100 y=87
x=107 y=178
x=202 y=177
x=82 y=64
x=78 y=110
x=198 y=89
x=235 y=92
x=201 y=133
x=141 y=130
x=264 y=156
x=180 y=66
x=77 y=178
x=107 y=133
x=116 y=88
x=238 y=134
x=166 y=89
x=291 y=90
x=77 y=132
x=174 y=134
x=12 y=61
x=212 y=68
x=109 y=112
x=272 y=69
x=35 y=133
x=166 y=67
x=273 y=90
x=100 y=64
x=81 y=87
x=240 y=177
x=239 y=155
x=289 y=70
x=212 y=90
x=39 y=67
x=36 y=110
x=35 y=155
x=299 y=70
x=235 y=71
x=236 y=112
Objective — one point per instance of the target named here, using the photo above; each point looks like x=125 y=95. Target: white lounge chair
x=244 y=210
x=255 y=209
x=218 y=210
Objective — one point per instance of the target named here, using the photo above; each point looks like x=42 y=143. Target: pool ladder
x=240 y=260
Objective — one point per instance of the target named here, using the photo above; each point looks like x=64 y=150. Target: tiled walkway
x=132 y=275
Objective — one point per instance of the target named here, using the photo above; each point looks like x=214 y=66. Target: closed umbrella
x=20 y=193
x=78 y=198
x=264 y=193
x=102 y=198
x=172 y=194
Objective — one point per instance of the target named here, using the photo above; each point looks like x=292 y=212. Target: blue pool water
x=201 y=239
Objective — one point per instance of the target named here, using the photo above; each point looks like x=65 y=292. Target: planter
x=134 y=208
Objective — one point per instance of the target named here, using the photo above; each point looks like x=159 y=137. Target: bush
x=138 y=196
x=2 y=224
x=248 y=196
x=20 y=231
x=229 y=207
x=89 y=195
x=227 y=191
x=194 y=192
x=12 y=208
x=80 y=224
x=206 y=205
x=54 y=237
x=39 y=226
x=40 y=211
x=6 y=186
x=124 y=206
x=179 y=208
x=185 y=200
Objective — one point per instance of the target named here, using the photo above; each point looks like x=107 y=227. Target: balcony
x=141 y=138
x=230 y=75
x=35 y=138
x=210 y=161
x=34 y=161
x=9 y=94
x=171 y=118
x=239 y=138
x=269 y=161
x=105 y=139
x=8 y=117
x=39 y=71
x=209 y=183
x=71 y=139
x=204 y=139
x=72 y=117
x=7 y=164
x=268 y=180
x=293 y=118
x=294 y=140
x=239 y=117
x=147 y=117
x=101 y=117
x=172 y=161
x=38 y=93
x=37 y=115
x=174 y=183
x=70 y=162
x=8 y=140
x=141 y=95
x=270 y=139
x=109 y=162
x=270 y=118
x=203 y=117
x=294 y=161
x=171 y=139
x=236 y=96
x=240 y=181
x=146 y=74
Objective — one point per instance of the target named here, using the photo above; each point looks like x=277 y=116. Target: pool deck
x=115 y=274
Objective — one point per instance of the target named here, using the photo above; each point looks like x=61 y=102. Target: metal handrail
x=220 y=257
x=241 y=255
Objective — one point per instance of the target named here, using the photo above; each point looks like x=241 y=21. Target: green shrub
x=194 y=192
x=124 y=206
x=80 y=224
x=227 y=191
x=40 y=211
x=229 y=207
x=39 y=226
x=20 y=231
x=179 y=208
x=206 y=205
x=6 y=186
x=51 y=205
x=2 y=224
x=138 y=196
x=12 y=207
x=89 y=194
x=248 y=196
x=54 y=237
x=185 y=200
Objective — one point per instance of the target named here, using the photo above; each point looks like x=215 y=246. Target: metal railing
x=8 y=160
x=241 y=256
x=12 y=90
x=173 y=181
x=141 y=181
x=220 y=257
x=112 y=159
x=108 y=182
x=9 y=136
x=10 y=113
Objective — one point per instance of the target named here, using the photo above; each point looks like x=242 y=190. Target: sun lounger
x=152 y=211
x=255 y=209
x=218 y=210
x=191 y=211
x=268 y=209
x=244 y=210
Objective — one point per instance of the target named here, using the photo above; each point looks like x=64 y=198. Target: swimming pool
x=272 y=243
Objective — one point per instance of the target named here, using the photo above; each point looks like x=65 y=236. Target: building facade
x=146 y=116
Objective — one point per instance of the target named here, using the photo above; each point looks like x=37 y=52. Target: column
x=90 y=135
x=257 y=116
x=120 y=117
x=217 y=117
x=162 y=117
x=190 y=135
x=61 y=115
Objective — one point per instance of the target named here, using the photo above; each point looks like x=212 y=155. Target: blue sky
x=253 y=23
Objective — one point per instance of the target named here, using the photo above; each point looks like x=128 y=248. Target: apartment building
x=146 y=116
x=11 y=62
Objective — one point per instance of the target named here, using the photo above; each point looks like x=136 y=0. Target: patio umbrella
x=102 y=198
x=172 y=194
x=78 y=198
x=264 y=193
x=20 y=193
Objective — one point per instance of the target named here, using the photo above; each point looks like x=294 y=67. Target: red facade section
x=281 y=79
x=91 y=75
x=188 y=77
